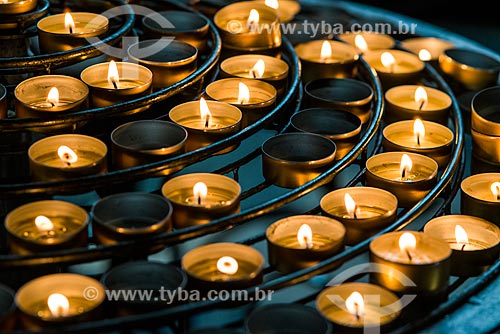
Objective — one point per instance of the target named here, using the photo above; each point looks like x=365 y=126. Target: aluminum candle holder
x=428 y=49
x=480 y=196
x=485 y=124
x=14 y=7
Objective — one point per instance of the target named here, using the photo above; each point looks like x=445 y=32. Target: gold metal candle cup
x=374 y=40
x=53 y=36
x=3 y=102
x=485 y=111
x=135 y=81
x=437 y=143
x=382 y=307
x=147 y=141
x=223 y=198
x=342 y=127
x=408 y=69
x=290 y=160
x=262 y=97
x=14 y=7
x=130 y=216
x=351 y=95
x=287 y=9
x=46 y=165
x=85 y=294
x=486 y=147
x=400 y=105
x=200 y=265
x=383 y=171
x=231 y=22
x=481 y=250
x=377 y=210
x=276 y=70
x=435 y=47
x=343 y=62
x=225 y=117
x=477 y=199
x=169 y=60
x=428 y=272
x=472 y=70
x=7 y=308
x=286 y=254
x=70 y=227
x=184 y=26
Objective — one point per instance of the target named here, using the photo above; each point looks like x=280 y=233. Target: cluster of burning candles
x=416 y=140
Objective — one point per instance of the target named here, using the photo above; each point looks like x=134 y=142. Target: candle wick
x=463 y=247
x=199 y=200
x=115 y=85
x=403 y=174
x=66 y=156
x=408 y=254
x=418 y=140
x=421 y=105
x=354 y=214
x=52 y=104
x=70 y=29
x=357 y=310
x=254 y=74
x=207 y=121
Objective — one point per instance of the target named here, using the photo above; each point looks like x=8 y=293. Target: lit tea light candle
x=302 y=241
x=292 y=159
x=396 y=67
x=409 y=176
x=428 y=49
x=359 y=306
x=223 y=266
x=46 y=225
x=255 y=98
x=15 y=7
x=59 y=298
x=475 y=242
x=266 y=68
x=364 y=211
x=354 y=96
x=327 y=59
x=287 y=9
x=407 y=102
x=366 y=41
x=67 y=156
x=207 y=122
x=480 y=196
x=249 y=26
x=111 y=83
x=67 y=31
x=422 y=258
x=428 y=138
x=199 y=198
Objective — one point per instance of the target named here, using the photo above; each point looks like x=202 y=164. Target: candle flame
x=388 y=60
x=253 y=18
x=205 y=113
x=407 y=242
x=200 y=192
x=355 y=304
x=461 y=235
x=350 y=206
x=424 y=55
x=495 y=189
x=405 y=166
x=418 y=130
x=227 y=265
x=53 y=96
x=272 y=3
x=58 y=304
x=326 y=50
x=360 y=43
x=44 y=224
x=243 y=93
x=67 y=155
x=421 y=97
x=69 y=23
x=258 y=69
x=305 y=236
x=113 y=76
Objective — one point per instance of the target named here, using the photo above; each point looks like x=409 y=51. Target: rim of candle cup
x=95 y=73
x=285 y=318
x=167 y=137
x=394 y=94
x=473 y=69
x=406 y=126
x=342 y=291
x=237 y=251
x=324 y=121
x=30 y=88
x=220 y=89
x=236 y=63
x=287 y=9
x=100 y=21
x=469 y=182
x=481 y=104
x=18 y=7
x=361 y=91
x=7 y=308
x=373 y=59
x=162 y=54
x=49 y=209
x=309 y=51
x=231 y=9
x=68 y=284
x=374 y=40
x=434 y=45
x=210 y=180
x=172 y=22
x=130 y=205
